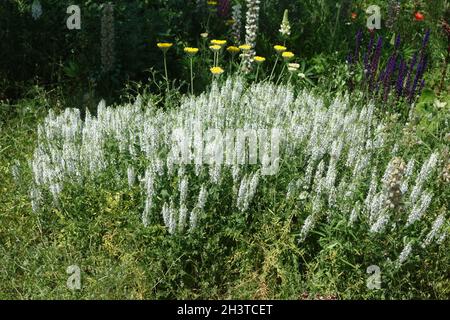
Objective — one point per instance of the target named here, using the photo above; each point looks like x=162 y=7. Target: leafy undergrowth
x=241 y=254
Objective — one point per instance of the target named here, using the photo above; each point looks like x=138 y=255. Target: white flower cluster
x=437 y=232
x=36 y=9
x=406 y=252
x=251 y=29
x=328 y=153
x=236 y=15
x=247 y=191
x=285 y=28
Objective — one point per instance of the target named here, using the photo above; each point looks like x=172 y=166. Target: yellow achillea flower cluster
x=216 y=70
x=233 y=50
x=287 y=55
x=279 y=48
x=219 y=42
x=259 y=59
x=215 y=47
x=212 y=3
x=245 y=47
x=164 y=46
x=190 y=50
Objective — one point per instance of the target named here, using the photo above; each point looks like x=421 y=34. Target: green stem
x=273 y=69
x=231 y=64
x=192 y=80
x=165 y=70
x=257 y=71
x=281 y=73
x=240 y=63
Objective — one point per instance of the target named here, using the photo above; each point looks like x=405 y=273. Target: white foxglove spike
x=36 y=9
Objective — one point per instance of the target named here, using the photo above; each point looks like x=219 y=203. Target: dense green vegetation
x=364 y=167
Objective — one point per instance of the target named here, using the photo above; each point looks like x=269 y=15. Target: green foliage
x=255 y=255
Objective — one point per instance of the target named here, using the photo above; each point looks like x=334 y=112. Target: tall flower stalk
x=165 y=46
x=191 y=52
x=285 y=28
x=236 y=15
x=251 y=29
x=279 y=49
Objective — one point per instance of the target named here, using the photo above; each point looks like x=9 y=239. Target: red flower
x=354 y=15
x=419 y=16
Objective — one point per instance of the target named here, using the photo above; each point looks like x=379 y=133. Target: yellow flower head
x=259 y=59
x=293 y=67
x=212 y=3
x=233 y=50
x=279 y=48
x=164 y=46
x=287 y=55
x=215 y=47
x=219 y=42
x=191 y=51
x=245 y=47
x=216 y=70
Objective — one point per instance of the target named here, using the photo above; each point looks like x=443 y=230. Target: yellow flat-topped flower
x=259 y=59
x=245 y=47
x=219 y=42
x=279 y=48
x=190 y=50
x=287 y=55
x=215 y=47
x=164 y=46
x=233 y=50
x=212 y=3
x=216 y=70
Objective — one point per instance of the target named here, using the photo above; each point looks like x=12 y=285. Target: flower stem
x=281 y=73
x=192 y=80
x=231 y=64
x=165 y=70
x=273 y=69
x=257 y=71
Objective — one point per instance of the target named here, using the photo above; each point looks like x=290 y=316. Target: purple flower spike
x=375 y=61
x=397 y=42
x=358 y=44
x=426 y=38
x=410 y=71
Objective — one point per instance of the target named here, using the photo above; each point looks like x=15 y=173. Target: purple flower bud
x=375 y=61
x=410 y=71
x=397 y=42
x=425 y=39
